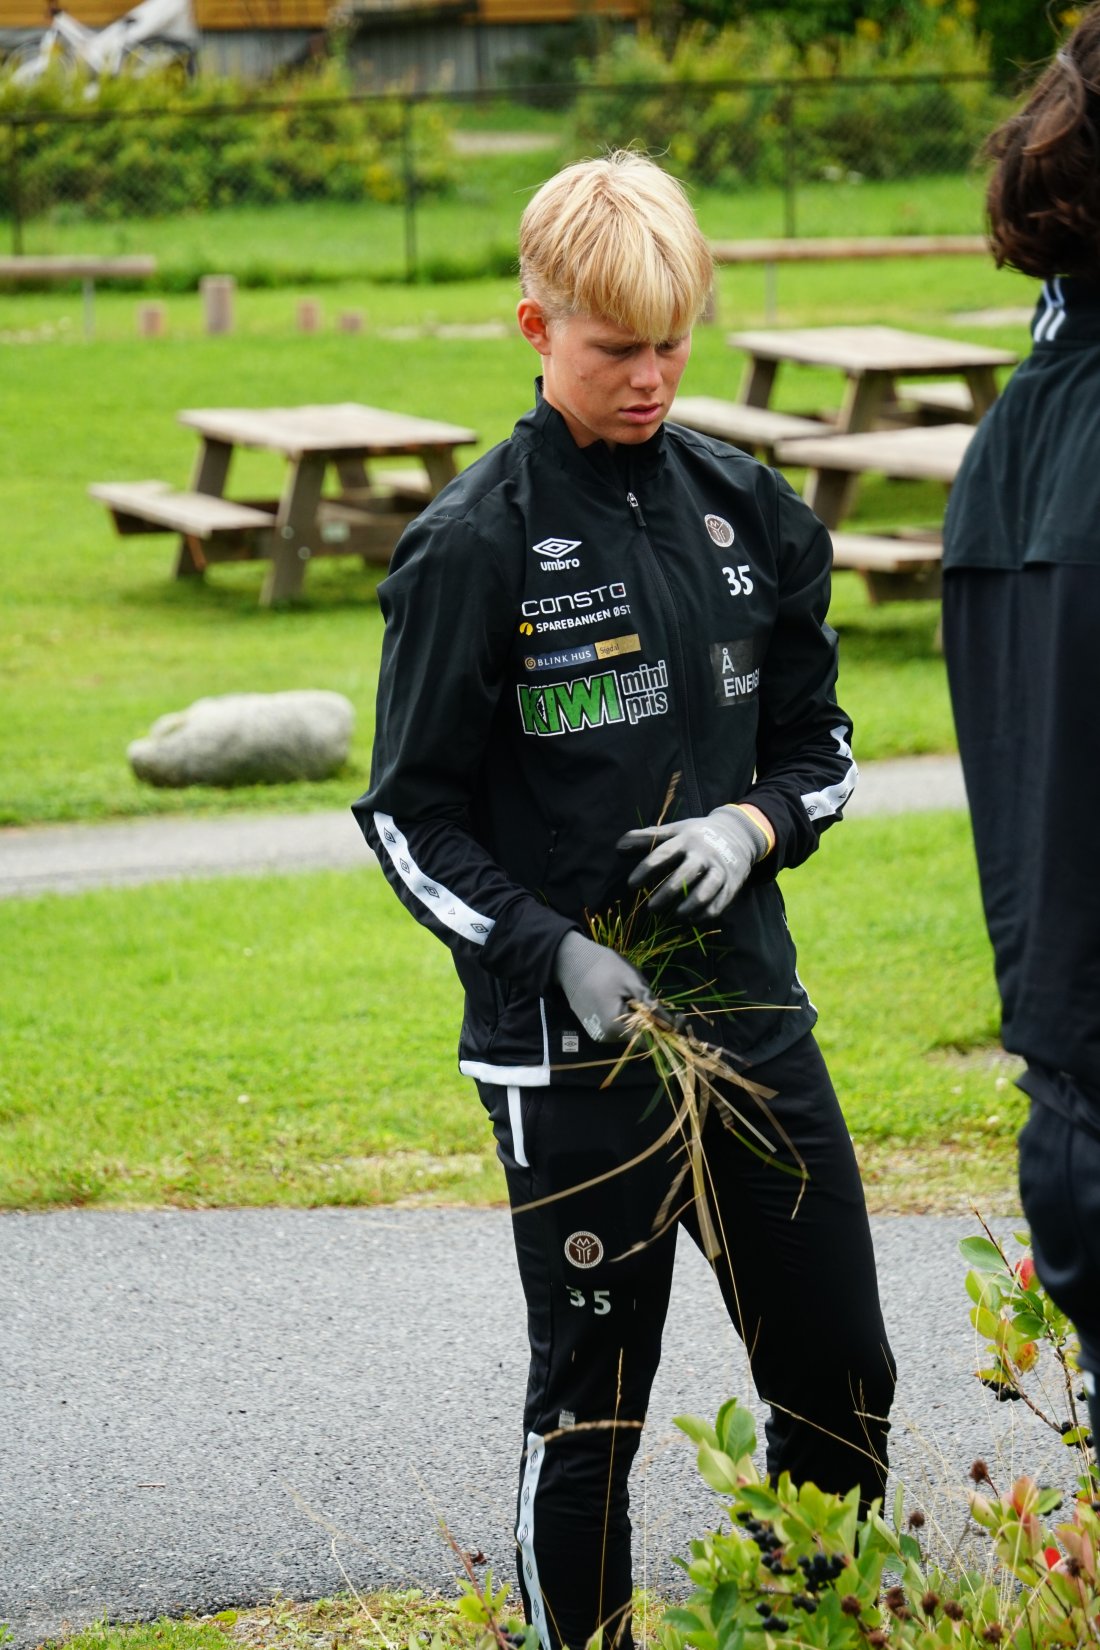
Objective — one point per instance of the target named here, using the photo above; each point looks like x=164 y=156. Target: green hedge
x=813 y=125
x=210 y=144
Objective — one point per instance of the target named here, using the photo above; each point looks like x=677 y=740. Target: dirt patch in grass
x=949 y=1179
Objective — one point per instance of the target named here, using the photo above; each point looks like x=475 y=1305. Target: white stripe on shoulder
x=446 y=907
x=1060 y=315
x=822 y=804
x=1041 y=321
x=1055 y=309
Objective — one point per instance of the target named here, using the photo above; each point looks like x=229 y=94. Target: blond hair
x=616 y=238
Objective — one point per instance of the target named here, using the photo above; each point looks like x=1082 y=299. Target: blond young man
x=604 y=623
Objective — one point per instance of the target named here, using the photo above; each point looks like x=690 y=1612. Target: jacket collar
x=545 y=428
x=1068 y=311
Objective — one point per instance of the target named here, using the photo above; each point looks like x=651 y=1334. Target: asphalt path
x=202 y=1408
x=68 y=858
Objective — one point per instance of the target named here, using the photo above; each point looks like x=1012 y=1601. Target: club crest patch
x=583 y=1249
x=720 y=530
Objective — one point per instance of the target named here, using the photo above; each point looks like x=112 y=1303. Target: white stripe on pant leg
x=515 y=1120
x=525 y=1535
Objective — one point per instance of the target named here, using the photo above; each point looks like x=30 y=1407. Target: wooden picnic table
x=894 y=567
x=872 y=359
x=365 y=518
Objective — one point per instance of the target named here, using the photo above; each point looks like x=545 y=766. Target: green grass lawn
x=291 y=1040
x=472 y=228
x=96 y=641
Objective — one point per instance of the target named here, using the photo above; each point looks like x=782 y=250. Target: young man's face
x=607 y=384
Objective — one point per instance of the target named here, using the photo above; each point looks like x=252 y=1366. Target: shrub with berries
x=1022 y=1327
x=799 y=1566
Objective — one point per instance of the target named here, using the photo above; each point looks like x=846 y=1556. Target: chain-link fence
x=431 y=187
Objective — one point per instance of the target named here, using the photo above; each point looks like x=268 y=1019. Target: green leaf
x=1029 y=1325
x=987 y=1323
x=736 y=1430
x=698 y=1430
x=899 y=1506
x=731 y=1635
x=815 y=1504
x=1075 y=1436
x=981 y=1254
x=725 y=1603
x=678 y=1616
x=717 y=1469
x=975 y=1287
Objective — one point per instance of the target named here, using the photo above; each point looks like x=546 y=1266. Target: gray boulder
x=247 y=739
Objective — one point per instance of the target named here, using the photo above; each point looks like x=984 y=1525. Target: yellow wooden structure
x=313 y=14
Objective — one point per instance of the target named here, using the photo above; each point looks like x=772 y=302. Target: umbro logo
x=556 y=554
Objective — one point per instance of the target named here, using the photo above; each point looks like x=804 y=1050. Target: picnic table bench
x=365 y=519
x=893 y=569
x=922 y=452
x=87 y=270
x=898 y=567
x=753 y=429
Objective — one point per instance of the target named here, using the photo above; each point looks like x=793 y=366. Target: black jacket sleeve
x=451 y=611
x=805 y=771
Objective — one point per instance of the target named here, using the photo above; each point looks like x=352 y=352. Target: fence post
x=790 y=161
x=409 y=166
x=15 y=194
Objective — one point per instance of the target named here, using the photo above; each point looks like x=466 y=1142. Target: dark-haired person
x=1021 y=610
x=602 y=613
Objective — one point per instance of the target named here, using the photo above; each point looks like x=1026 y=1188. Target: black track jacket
x=1021 y=626
x=567 y=631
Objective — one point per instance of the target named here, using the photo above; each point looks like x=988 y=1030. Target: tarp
x=135 y=41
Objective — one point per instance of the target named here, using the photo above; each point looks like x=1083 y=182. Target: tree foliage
x=1022 y=33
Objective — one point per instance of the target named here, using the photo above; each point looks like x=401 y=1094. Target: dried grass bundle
x=690 y=1072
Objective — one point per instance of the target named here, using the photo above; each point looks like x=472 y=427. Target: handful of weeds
x=694 y=1074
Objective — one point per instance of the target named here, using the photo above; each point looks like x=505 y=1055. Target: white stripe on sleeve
x=831 y=799
x=451 y=911
x=525 y=1534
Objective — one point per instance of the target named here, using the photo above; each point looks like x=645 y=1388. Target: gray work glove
x=701 y=862
x=599 y=986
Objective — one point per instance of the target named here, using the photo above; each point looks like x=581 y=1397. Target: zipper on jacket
x=677 y=641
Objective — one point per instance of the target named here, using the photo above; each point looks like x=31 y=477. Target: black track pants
x=1060 y=1193
x=801 y=1293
